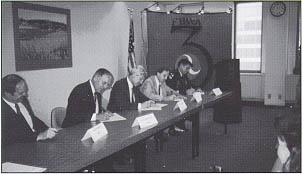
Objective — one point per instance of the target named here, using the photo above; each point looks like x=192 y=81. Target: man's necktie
x=159 y=86
x=18 y=109
x=98 y=100
x=133 y=95
x=20 y=116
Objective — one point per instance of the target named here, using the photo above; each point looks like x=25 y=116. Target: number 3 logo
x=194 y=31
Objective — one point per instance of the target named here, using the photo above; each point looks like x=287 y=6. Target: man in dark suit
x=125 y=94
x=178 y=80
x=86 y=99
x=19 y=123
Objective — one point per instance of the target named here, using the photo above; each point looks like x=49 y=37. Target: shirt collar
x=92 y=87
x=129 y=83
x=179 y=73
x=9 y=103
x=157 y=81
x=12 y=105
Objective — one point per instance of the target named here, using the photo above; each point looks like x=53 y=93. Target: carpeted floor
x=248 y=147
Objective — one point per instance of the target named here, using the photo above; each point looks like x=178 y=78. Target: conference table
x=67 y=153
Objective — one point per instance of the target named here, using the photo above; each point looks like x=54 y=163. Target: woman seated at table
x=289 y=144
x=155 y=87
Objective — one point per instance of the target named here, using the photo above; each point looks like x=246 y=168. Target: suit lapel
x=125 y=83
x=17 y=120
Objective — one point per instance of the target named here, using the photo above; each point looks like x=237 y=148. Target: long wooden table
x=67 y=153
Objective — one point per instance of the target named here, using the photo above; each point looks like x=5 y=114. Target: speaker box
x=228 y=79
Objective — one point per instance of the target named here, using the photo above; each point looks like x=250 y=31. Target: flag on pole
x=131 y=54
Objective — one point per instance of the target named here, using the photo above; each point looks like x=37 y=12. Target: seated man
x=125 y=95
x=178 y=80
x=155 y=88
x=19 y=123
x=86 y=98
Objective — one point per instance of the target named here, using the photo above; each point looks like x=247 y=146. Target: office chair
x=57 y=117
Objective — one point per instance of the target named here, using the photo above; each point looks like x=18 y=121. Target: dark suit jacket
x=120 y=97
x=15 y=128
x=177 y=82
x=80 y=105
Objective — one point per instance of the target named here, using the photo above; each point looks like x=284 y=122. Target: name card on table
x=145 y=121
x=216 y=91
x=197 y=97
x=95 y=132
x=181 y=105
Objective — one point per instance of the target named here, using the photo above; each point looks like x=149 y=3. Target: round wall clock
x=278 y=8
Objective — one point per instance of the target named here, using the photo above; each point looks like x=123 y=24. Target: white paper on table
x=197 y=97
x=13 y=167
x=115 y=117
x=96 y=132
x=216 y=91
x=181 y=105
x=160 y=105
x=145 y=121
x=152 y=108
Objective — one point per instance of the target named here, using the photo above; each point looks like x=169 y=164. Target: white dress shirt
x=158 y=86
x=24 y=112
x=97 y=110
x=130 y=87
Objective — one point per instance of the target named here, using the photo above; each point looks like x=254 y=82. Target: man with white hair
x=125 y=94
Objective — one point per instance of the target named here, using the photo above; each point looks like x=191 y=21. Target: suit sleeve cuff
x=139 y=106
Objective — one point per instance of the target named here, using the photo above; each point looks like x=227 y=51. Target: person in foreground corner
x=19 y=123
x=86 y=99
x=125 y=94
x=288 y=130
x=155 y=88
x=178 y=80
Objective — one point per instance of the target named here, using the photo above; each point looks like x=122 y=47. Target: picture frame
x=42 y=37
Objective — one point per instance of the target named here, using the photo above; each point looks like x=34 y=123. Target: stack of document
x=154 y=107
x=13 y=167
x=115 y=117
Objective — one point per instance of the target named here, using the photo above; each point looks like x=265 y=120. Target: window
x=248 y=35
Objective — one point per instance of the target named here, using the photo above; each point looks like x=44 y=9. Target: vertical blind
x=248 y=35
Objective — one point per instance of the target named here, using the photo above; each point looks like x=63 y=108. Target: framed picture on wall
x=42 y=37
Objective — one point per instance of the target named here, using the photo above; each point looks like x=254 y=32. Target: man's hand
x=190 y=91
x=104 y=116
x=48 y=134
x=170 y=98
x=181 y=97
x=147 y=104
x=199 y=90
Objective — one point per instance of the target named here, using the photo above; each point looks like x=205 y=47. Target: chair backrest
x=57 y=117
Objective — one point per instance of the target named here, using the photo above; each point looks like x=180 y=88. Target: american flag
x=131 y=54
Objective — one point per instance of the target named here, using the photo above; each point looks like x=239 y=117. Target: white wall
x=99 y=39
x=278 y=55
